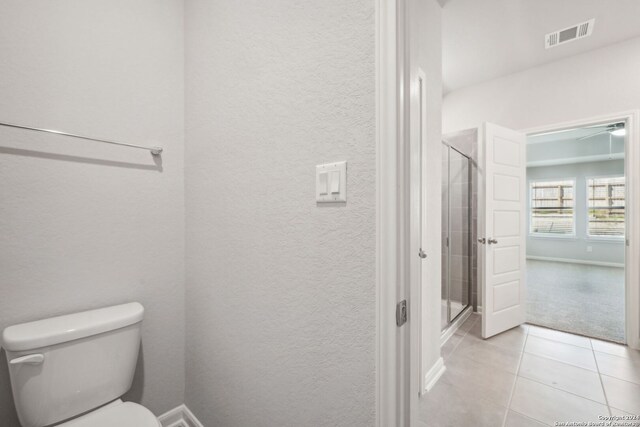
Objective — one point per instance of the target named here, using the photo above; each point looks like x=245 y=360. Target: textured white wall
x=280 y=291
x=85 y=225
x=599 y=82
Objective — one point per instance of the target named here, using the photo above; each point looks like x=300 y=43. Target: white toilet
x=76 y=364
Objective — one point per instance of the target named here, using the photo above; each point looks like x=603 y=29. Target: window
x=552 y=207
x=606 y=205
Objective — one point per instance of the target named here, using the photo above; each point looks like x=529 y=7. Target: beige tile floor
x=531 y=376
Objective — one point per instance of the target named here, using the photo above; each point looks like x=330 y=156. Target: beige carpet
x=582 y=299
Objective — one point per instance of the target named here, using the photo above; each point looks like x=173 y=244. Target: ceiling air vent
x=567 y=35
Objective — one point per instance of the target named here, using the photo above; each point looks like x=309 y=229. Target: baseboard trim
x=633 y=343
x=575 y=261
x=434 y=374
x=180 y=416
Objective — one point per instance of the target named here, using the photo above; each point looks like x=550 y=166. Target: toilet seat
x=116 y=414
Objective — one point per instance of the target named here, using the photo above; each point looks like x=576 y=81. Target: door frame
x=632 y=175
x=392 y=342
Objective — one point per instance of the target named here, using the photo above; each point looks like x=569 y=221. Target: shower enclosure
x=456 y=234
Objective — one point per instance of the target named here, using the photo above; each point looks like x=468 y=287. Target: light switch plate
x=332 y=177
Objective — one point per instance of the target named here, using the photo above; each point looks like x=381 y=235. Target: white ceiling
x=486 y=39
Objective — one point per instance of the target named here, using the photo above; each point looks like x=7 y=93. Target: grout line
x=572 y=365
x=518 y=375
x=620 y=379
x=578 y=334
x=606 y=399
x=564 y=361
x=530 y=418
x=515 y=381
x=563 y=390
x=547 y=357
x=563 y=342
x=455 y=347
x=631 y=359
x=561 y=361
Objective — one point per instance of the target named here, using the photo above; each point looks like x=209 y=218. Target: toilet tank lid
x=56 y=330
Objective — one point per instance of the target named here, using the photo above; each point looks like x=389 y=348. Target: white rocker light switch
x=331 y=182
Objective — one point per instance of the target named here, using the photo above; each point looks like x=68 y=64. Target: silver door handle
x=421 y=254
x=492 y=241
x=482 y=240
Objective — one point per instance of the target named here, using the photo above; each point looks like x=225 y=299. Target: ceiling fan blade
x=593 y=134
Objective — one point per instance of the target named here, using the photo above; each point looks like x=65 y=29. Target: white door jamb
x=392 y=373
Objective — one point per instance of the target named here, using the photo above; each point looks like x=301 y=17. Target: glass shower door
x=444 y=311
x=459 y=247
x=456 y=237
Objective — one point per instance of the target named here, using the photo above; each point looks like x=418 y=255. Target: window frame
x=586 y=231
x=538 y=235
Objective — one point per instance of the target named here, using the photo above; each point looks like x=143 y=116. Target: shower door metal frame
x=469 y=240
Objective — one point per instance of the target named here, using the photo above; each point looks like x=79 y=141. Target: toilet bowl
x=56 y=363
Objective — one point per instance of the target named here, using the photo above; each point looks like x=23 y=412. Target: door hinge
x=401 y=312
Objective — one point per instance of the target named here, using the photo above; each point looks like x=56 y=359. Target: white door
x=502 y=228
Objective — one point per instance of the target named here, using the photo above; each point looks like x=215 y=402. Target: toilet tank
x=66 y=365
